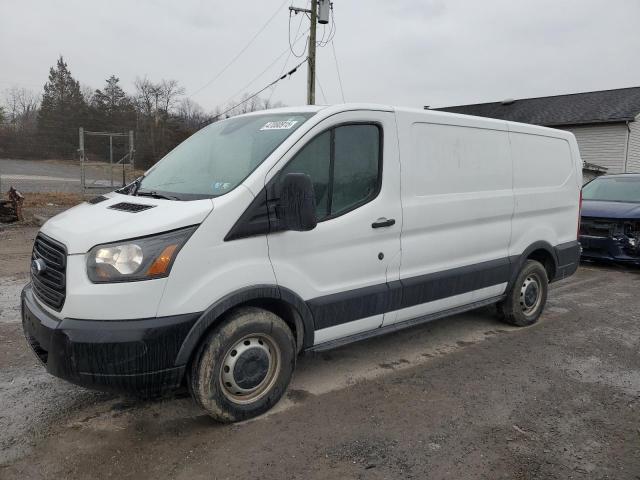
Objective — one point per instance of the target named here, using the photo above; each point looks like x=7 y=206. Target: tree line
x=42 y=125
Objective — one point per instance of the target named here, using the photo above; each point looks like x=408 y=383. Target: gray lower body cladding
x=150 y=356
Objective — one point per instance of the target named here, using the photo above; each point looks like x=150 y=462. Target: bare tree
x=11 y=103
x=156 y=104
x=22 y=106
x=146 y=96
x=191 y=114
x=157 y=99
x=217 y=114
x=87 y=93
x=170 y=92
x=246 y=104
x=268 y=104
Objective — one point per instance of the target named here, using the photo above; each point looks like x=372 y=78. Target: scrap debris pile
x=11 y=209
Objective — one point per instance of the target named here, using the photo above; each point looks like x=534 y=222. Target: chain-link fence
x=105 y=162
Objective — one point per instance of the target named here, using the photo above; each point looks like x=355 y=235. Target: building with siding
x=606 y=123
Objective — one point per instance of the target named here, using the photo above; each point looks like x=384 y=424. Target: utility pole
x=311 y=66
x=311 y=60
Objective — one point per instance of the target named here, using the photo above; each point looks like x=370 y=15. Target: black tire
x=217 y=377
x=521 y=308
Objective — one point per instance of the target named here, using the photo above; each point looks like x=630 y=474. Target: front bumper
x=609 y=249
x=135 y=356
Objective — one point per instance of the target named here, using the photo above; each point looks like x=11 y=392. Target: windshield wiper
x=153 y=194
x=136 y=185
x=131 y=188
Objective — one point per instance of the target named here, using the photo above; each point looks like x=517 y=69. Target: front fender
x=212 y=315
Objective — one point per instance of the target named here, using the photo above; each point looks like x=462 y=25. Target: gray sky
x=401 y=52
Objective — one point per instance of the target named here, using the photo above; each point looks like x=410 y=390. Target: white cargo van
x=299 y=229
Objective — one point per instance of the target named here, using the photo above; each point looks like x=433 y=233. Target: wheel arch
x=540 y=251
x=278 y=300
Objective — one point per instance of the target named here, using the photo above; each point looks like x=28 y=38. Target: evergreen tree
x=112 y=109
x=62 y=112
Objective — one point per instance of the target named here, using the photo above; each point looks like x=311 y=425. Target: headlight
x=136 y=259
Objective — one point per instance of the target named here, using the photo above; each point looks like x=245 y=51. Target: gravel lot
x=461 y=398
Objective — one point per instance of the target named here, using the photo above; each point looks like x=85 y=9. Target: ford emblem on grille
x=38 y=266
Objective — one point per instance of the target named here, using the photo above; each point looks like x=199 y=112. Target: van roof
x=335 y=108
x=345 y=107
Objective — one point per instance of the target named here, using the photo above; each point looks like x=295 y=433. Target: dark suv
x=610 y=223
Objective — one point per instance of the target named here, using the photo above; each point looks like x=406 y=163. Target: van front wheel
x=243 y=366
x=528 y=295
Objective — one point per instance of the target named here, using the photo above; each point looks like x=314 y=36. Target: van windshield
x=216 y=159
x=613 y=189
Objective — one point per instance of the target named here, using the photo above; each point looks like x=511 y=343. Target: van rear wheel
x=243 y=366
x=528 y=295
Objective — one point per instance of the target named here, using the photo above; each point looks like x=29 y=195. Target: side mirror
x=297 y=206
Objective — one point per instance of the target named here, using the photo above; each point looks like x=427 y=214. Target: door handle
x=383 y=222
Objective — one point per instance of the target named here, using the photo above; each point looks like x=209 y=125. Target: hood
x=602 y=209
x=82 y=227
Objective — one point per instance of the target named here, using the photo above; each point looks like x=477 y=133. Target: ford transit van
x=299 y=229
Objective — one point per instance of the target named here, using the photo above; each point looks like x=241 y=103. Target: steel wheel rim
x=530 y=294
x=249 y=347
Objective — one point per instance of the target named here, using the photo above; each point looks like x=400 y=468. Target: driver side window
x=344 y=166
x=314 y=160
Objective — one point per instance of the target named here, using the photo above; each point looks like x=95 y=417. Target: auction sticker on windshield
x=282 y=125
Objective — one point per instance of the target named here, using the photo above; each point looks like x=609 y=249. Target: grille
x=50 y=285
x=130 y=207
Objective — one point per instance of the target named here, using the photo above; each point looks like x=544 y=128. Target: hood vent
x=98 y=199
x=130 y=207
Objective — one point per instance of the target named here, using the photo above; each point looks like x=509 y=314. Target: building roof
x=604 y=106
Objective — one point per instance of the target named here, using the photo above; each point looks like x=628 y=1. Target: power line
x=282 y=77
x=233 y=60
x=286 y=62
x=273 y=90
x=335 y=58
x=290 y=44
x=332 y=31
x=321 y=11
x=263 y=71
x=324 y=97
x=243 y=89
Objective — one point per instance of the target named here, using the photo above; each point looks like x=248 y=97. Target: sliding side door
x=457 y=202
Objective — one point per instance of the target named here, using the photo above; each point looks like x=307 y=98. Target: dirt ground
x=459 y=398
